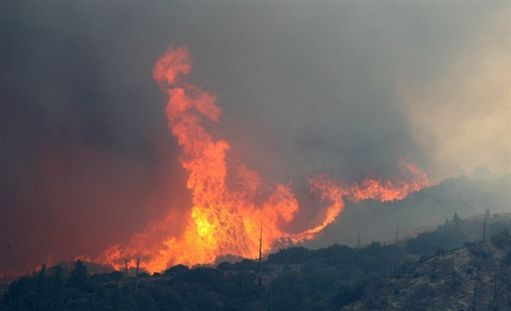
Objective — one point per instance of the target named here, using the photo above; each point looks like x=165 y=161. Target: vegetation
x=454 y=234
x=292 y=279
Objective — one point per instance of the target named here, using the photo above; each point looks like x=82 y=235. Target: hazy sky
x=86 y=158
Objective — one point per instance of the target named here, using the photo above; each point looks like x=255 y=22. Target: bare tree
x=486 y=215
x=474 y=295
x=260 y=253
x=126 y=266
x=358 y=239
x=494 y=300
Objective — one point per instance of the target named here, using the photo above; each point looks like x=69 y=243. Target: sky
x=86 y=157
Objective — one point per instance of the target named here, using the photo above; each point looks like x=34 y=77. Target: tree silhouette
x=78 y=276
x=456 y=220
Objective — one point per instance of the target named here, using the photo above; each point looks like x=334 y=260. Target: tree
x=145 y=301
x=486 y=215
x=58 y=288
x=78 y=276
x=286 y=292
x=456 y=220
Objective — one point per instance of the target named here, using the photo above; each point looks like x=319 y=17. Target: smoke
x=344 y=88
x=468 y=196
x=463 y=116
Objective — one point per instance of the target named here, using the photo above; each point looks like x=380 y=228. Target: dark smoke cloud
x=87 y=159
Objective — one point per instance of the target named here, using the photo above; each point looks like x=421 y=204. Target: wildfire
x=224 y=220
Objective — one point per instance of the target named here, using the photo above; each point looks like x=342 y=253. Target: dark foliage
x=291 y=279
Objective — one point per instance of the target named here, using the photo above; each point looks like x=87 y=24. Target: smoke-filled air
x=253 y=140
x=234 y=219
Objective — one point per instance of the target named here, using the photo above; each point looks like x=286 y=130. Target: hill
x=475 y=277
x=437 y=268
x=468 y=196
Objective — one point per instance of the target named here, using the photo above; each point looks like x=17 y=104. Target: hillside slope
x=437 y=270
x=422 y=211
x=475 y=277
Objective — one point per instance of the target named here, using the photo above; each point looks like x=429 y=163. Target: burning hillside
x=225 y=218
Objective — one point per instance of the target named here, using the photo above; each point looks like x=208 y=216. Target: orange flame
x=225 y=220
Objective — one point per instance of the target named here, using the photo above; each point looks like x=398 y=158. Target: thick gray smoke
x=86 y=157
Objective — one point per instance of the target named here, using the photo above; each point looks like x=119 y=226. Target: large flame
x=227 y=219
